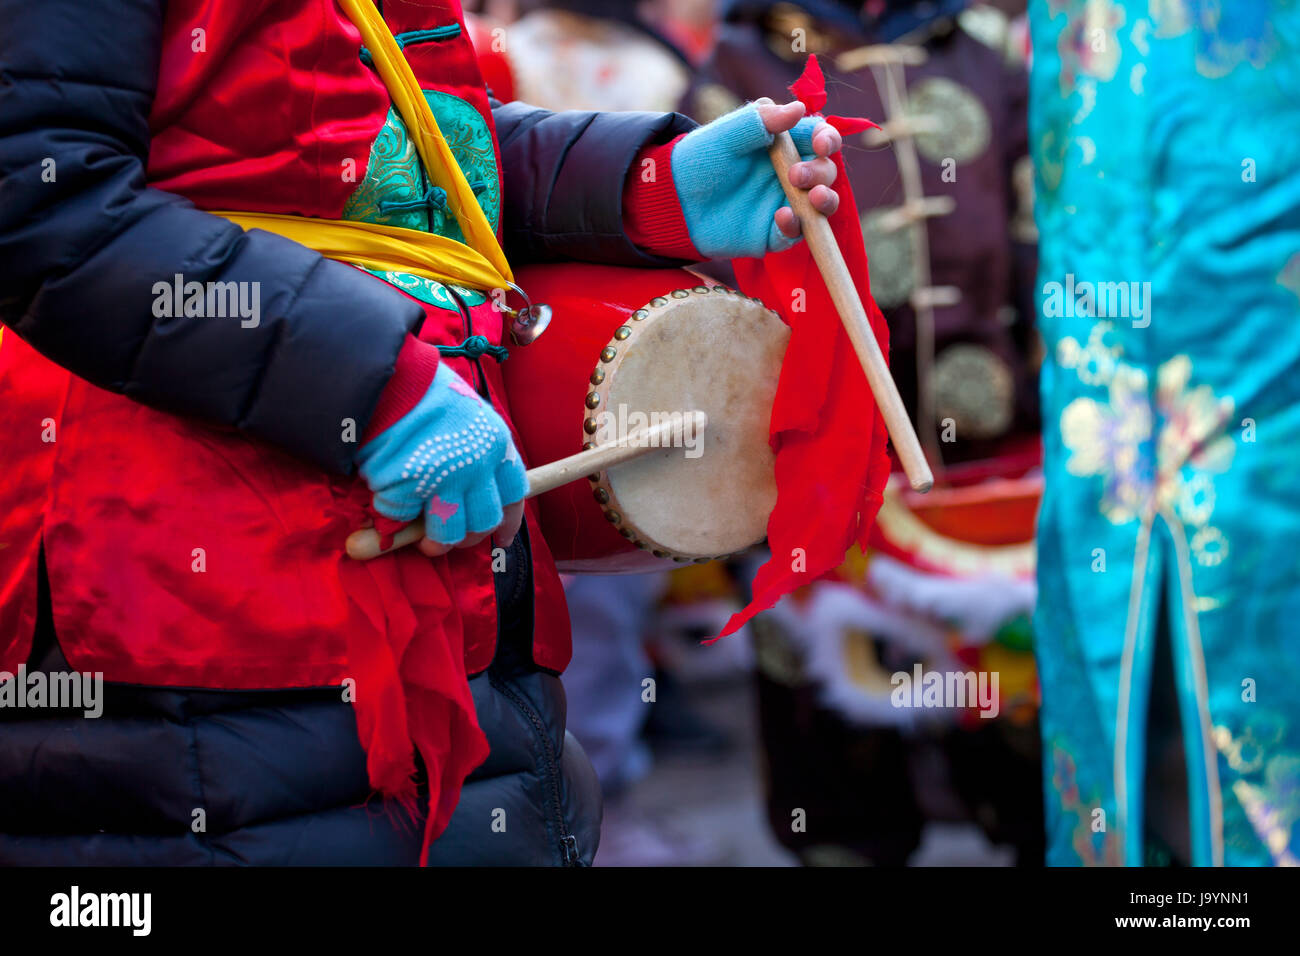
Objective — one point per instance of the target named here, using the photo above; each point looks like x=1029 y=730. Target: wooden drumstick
x=835 y=273
x=364 y=544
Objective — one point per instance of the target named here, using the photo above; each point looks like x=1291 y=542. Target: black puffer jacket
x=175 y=776
x=170 y=777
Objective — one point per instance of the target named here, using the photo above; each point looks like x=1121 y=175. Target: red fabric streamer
x=412 y=688
x=828 y=434
x=810 y=90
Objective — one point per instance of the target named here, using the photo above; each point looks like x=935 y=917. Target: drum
x=628 y=348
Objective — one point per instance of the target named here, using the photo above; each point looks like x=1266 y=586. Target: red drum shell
x=546 y=383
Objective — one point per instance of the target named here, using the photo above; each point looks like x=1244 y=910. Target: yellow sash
x=478 y=263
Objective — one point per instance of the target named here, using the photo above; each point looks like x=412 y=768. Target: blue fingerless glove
x=449 y=458
x=727 y=187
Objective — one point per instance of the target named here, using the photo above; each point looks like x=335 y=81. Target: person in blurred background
x=599 y=54
x=943 y=189
x=944 y=194
x=1168 y=186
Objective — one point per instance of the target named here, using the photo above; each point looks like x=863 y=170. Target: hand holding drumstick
x=722 y=177
x=366 y=543
x=810 y=216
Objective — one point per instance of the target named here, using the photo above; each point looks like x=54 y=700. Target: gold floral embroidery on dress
x=1089 y=42
x=1093 y=842
x=1227 y=35
x=1142 y=468
x=1267 y=788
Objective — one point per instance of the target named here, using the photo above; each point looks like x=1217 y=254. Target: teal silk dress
x=1166 y=137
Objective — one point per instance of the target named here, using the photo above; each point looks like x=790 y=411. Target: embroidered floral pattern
x=1148 y=421
x=1092 y=846
x=1226 y=35
x=1267 y=788
x=430 y=291
x=466 y=132
x=1089 y=44
x=396 y=191
x=1144 y=465
x=393 y=176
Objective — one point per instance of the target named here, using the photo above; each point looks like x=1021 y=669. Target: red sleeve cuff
x=417 y=363
x=652 y=214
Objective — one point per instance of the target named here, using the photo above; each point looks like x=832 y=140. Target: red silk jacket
x=184 y=554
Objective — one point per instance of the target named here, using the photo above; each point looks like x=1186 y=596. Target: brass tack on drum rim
x=680 y=294
x=627 y=533
x=720 y=288
x=593 y=399
x=613 y=517
x=658 y=301
x=659 y=554
x=640 y=314
x=622 y=332
x=598 y=376
x=608 y=354
x=588 y=445
x=601 y=495
x=594 y=479
x=701 y=290
x=590 y=426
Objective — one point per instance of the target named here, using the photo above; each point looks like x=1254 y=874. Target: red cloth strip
x=828 y=434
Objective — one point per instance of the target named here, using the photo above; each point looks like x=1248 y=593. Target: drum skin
x=665 y=340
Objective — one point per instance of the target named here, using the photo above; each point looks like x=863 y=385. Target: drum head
x=706 y=349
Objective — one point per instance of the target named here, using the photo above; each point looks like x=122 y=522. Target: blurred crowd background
x=779 y=745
